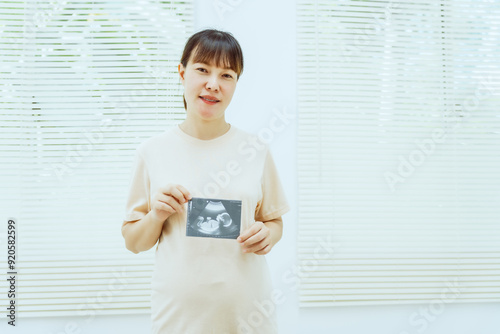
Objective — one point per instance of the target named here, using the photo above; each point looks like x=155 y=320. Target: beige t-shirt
x=203 y=284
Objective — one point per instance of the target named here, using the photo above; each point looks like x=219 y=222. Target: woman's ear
x=181 y=70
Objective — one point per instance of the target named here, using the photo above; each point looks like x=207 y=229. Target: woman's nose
x=213 y=84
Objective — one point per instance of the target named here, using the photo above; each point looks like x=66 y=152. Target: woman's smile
x=209 y=99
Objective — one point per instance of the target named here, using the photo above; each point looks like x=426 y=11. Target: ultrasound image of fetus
x=210 y=225
x=214 y=218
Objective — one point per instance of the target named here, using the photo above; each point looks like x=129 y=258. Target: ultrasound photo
x=213 y=218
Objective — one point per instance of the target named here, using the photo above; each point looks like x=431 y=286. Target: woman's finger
x=166 y=207
x=257 y=247
x=185 y=192
x=264 y=251
x=175 y=204
x=177 y=194
x=254 y=228
x=254 y=239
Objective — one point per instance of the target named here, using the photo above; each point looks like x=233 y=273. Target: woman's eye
x=229 y=76
x=202 y=69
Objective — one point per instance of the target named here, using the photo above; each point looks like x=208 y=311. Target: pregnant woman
x=207 y=284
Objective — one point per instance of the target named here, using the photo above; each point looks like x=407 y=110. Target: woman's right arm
x=142 y=235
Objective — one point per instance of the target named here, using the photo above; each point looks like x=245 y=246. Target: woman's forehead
x=212 y=61
x=217 y=59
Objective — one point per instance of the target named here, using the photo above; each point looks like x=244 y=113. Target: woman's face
x=204 y=84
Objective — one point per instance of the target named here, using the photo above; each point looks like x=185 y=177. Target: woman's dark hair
x=216 y=47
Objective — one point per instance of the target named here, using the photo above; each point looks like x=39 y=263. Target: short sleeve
x=138 y=201
x=273 y=203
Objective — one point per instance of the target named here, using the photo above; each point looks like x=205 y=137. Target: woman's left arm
x=261 y=237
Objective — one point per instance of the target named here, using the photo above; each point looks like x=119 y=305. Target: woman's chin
x=208 y=113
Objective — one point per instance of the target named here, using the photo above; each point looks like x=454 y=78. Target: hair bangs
x=218 y=53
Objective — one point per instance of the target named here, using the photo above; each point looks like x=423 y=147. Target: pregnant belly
x=205 y=291
x=227 y=279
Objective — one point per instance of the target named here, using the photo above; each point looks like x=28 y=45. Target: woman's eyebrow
x=202 y=62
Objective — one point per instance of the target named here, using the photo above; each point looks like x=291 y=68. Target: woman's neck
x=205 y=130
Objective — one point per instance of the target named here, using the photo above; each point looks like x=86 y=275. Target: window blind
x=398 y=164
x=82 y=84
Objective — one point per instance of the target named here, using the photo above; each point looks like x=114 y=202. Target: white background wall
x=266 y=32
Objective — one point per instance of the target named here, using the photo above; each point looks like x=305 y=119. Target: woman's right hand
x=169 y=200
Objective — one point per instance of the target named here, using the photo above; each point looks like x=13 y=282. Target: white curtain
x=398 y=157
x=82 y=84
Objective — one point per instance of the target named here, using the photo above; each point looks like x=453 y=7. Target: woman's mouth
x=209 y=101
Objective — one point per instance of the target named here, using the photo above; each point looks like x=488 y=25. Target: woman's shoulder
x=257 y=140
x=157 y=141
x=251 y=148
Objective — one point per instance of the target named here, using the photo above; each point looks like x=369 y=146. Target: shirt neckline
x=195 y=140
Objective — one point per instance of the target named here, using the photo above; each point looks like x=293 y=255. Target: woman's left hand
x=256 y=239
